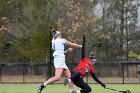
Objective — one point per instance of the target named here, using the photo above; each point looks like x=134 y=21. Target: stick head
x=7 y=45
x=97 y=44
x=127 y=91
x=53 y=31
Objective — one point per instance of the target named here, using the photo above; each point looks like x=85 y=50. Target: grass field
x=60 y=88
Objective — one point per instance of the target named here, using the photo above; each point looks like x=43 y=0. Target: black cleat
x=66 y=82
x=40 y=88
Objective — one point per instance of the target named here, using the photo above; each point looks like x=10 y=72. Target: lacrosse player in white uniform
x=59 y=60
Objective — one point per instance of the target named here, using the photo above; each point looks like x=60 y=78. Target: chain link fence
x=108 y=72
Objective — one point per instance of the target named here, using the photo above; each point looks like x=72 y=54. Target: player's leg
x=58 y=74
x=68 y=75
x=40 y=88
x=74 y=76
x=85 y=88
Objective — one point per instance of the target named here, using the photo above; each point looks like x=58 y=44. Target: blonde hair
x=56 y=34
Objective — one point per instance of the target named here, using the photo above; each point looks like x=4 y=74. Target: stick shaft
x=111 y=89
x=83 y=47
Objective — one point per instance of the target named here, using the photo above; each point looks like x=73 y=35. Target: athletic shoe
x=66 y=82
x=73 y=91
x=40 y=88
x=78 y=91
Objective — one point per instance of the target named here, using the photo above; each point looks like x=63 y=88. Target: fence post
x=87 y=79
x=122 y=72
x=0 y=76
x=23 y=74
x=138 y=71
x=49 y=65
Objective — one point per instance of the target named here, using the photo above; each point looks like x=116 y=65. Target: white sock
x=78 y=91
x=71 y=90
x=69 y=80
x=45 y=84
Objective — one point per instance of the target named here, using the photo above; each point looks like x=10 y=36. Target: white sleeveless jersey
x=58 y=46
x=59 y=57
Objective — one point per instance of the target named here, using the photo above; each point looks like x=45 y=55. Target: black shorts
x=79 y=82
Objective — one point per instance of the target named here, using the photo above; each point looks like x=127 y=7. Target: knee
x=89 y=89
x=57 y=78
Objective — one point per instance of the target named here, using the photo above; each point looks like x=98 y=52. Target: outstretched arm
x=97 y=80
x=72 y=44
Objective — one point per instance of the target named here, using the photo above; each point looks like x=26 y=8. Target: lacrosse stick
x=7 y=45
x=83 y=48
x=122 y=91
x=95 y=46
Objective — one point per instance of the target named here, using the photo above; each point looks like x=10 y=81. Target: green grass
x=60 y=88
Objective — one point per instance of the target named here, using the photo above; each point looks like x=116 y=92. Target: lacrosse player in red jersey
x=84 y=67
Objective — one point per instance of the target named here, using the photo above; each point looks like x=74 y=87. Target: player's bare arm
x=74 y=45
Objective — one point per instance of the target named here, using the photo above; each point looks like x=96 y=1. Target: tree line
x=26 y=23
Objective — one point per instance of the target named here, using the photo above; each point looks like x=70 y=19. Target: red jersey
x=84 y=67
